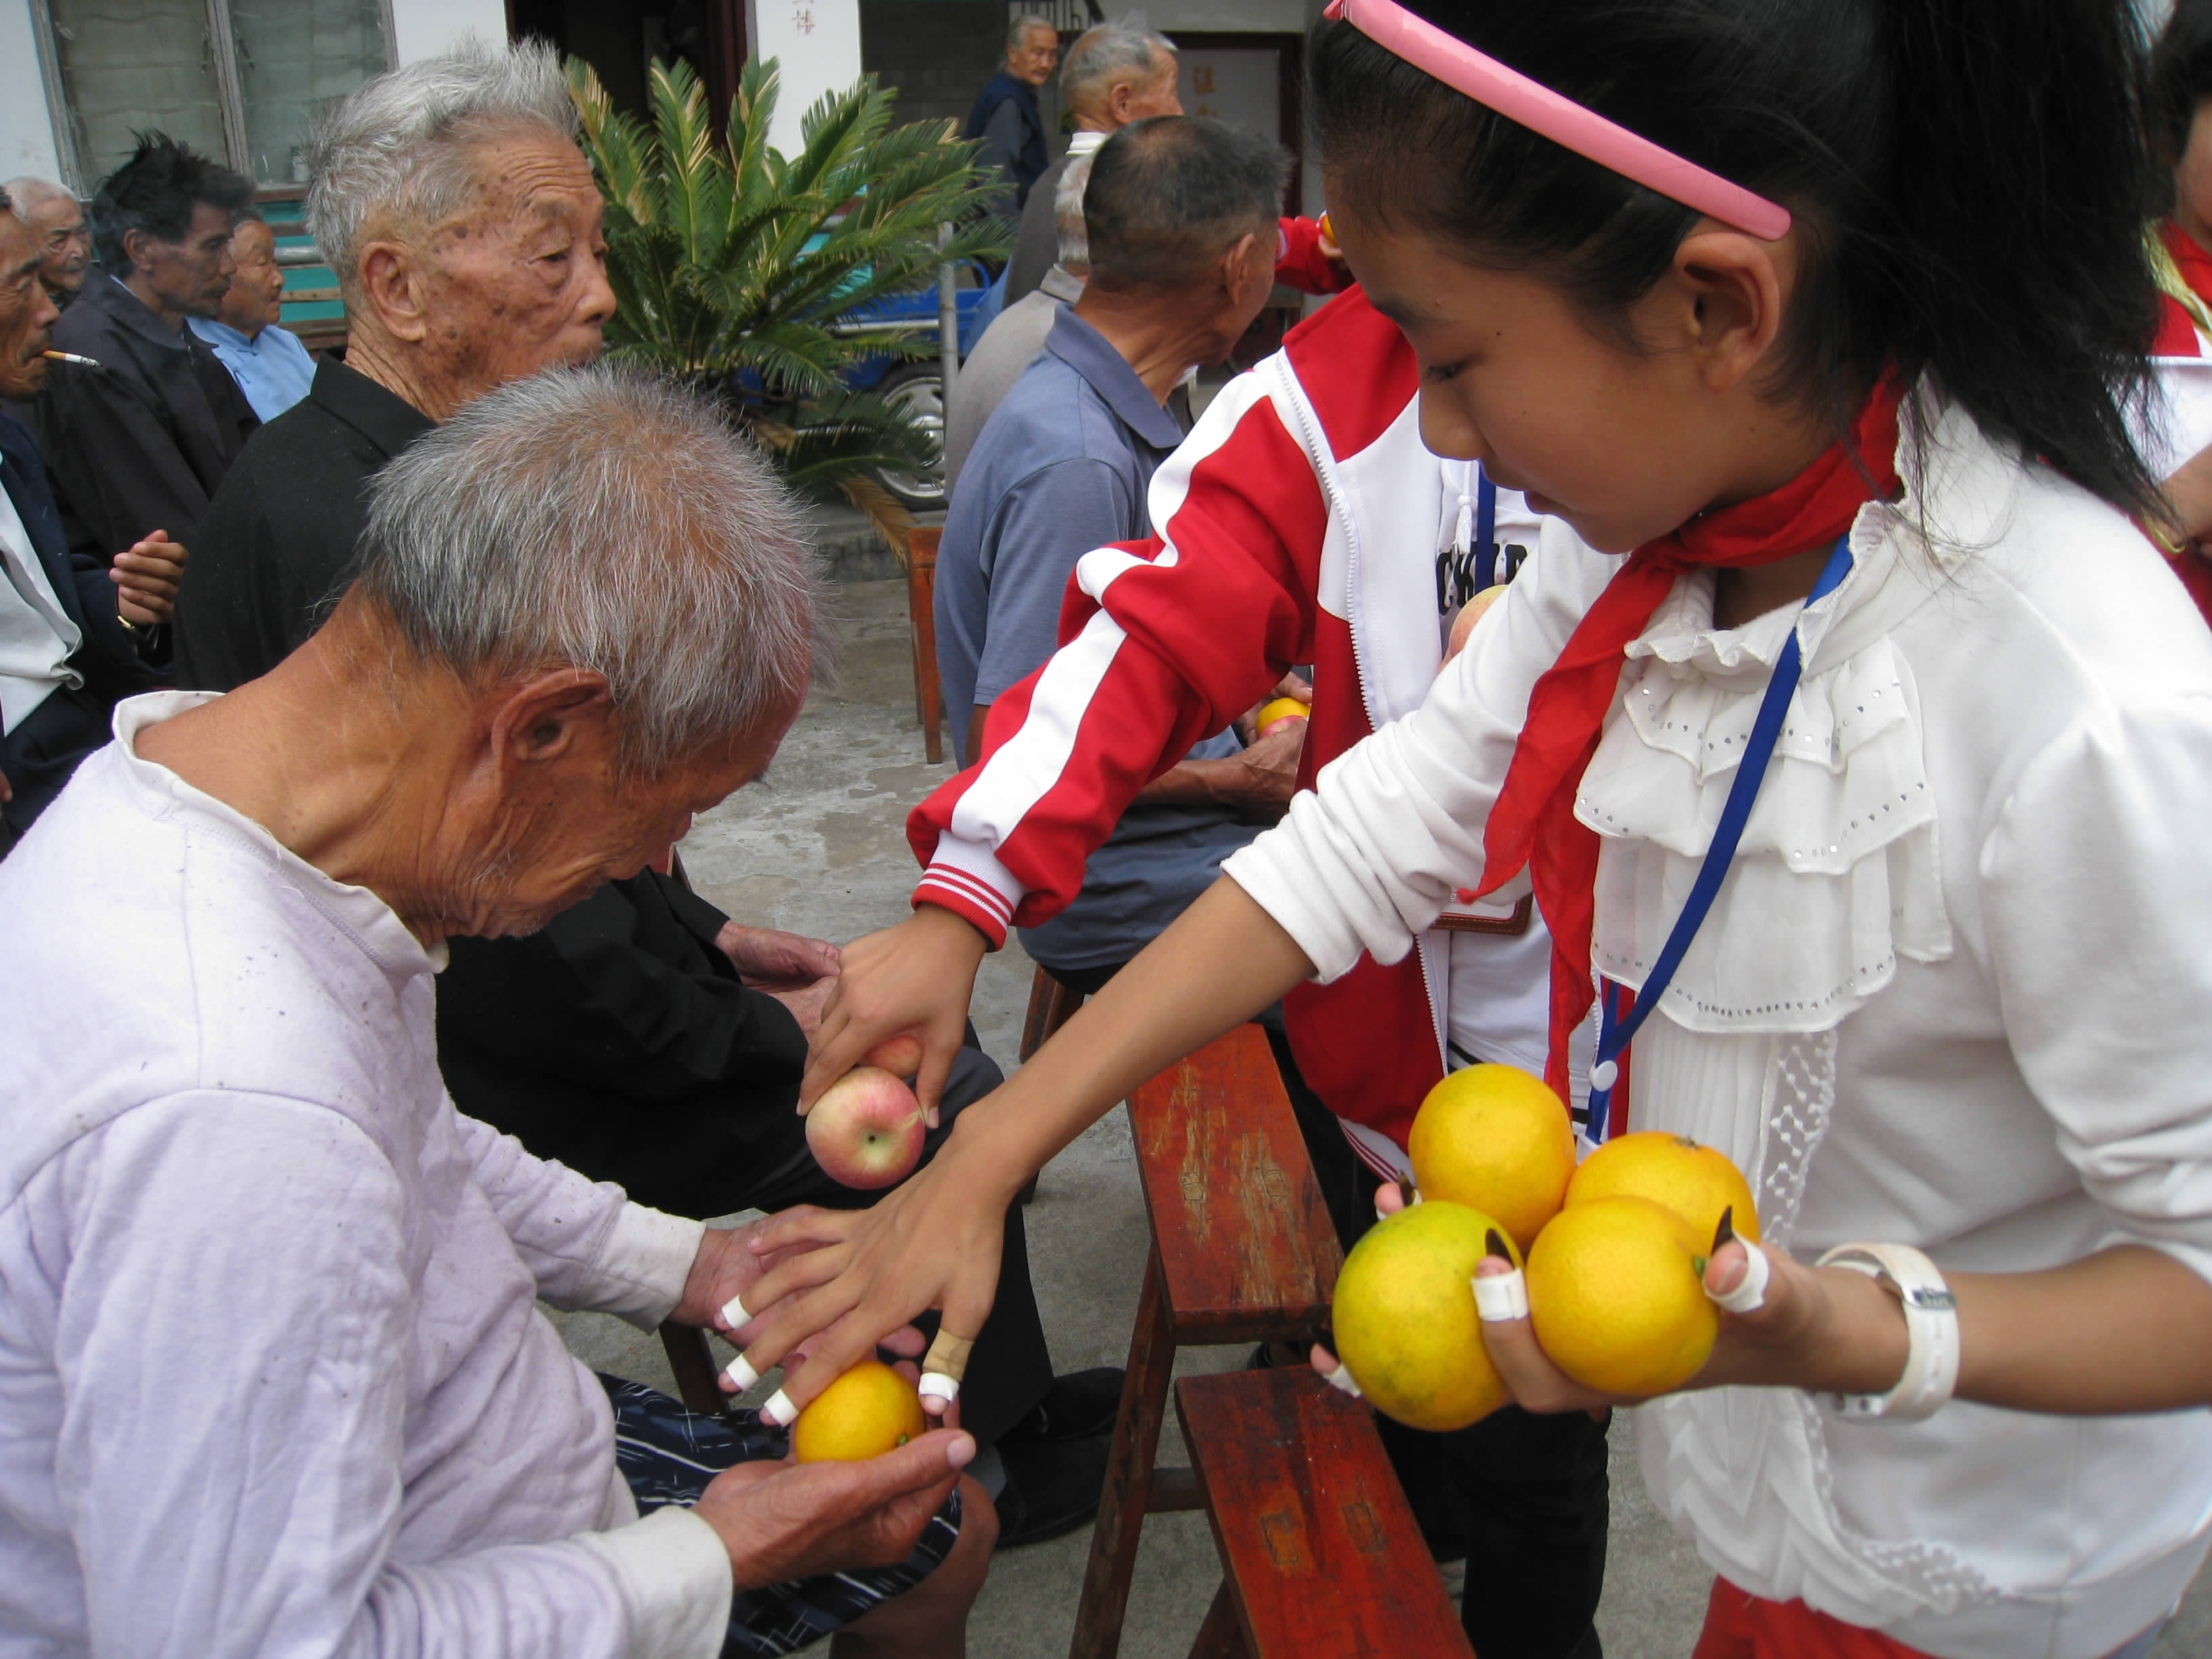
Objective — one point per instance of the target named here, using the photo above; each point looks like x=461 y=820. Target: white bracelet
x=1932 y=1330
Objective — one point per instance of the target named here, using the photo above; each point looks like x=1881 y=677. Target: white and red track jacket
x=1301 y=523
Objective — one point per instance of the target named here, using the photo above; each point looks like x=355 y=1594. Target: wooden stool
x=1052 y=1005
x=1242 y=1251
x=921 y=629
x=1320 y=1556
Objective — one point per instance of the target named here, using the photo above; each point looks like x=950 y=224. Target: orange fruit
x=1281 y=708
x=1614 y=1294
x=867 y=1412
x=1696 y=1182
x=1496 y=1139
x=1404 y=1317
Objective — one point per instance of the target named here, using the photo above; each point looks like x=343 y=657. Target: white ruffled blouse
x=1954 y=992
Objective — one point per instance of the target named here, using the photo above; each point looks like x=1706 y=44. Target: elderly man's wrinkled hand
x=726 y=1267
x=785 y=1520
x=1262 y=781
x=769 y=959
x=145 y=576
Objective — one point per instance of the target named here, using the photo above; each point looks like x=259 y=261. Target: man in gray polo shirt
x=1181 y=218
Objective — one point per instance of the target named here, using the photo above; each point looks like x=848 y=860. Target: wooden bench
x=921 y=630
x=1242 y=1251
x=1320 y=1555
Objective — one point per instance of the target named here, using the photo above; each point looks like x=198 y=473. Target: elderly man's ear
x=1242 y=265
x=565 y=714
x=391 y=285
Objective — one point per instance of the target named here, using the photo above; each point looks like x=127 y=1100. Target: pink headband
x=1566 y=122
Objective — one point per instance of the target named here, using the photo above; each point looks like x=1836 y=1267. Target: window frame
x=222 y=47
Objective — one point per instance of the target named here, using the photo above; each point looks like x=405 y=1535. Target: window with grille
x=237 y=79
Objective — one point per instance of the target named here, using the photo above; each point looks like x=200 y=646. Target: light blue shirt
x=273 y=369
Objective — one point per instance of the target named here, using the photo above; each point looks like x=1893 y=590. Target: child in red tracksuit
x=1303 y=522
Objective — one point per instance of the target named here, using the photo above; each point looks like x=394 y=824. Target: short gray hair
x=1074 y=230
x=1018 y=30
x=27 y=193
x=397 y=147
x=603 y=519
x=1121 y=51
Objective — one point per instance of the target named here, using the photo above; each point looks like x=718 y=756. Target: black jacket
x=142 y=443
x=619 y=1041
x=1016 y=146
x=279 y=539
x=108 y=657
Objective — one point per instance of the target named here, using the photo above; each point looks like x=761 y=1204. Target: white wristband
x=1932 y=1330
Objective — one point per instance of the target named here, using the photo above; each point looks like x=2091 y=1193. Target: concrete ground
x=819 y=846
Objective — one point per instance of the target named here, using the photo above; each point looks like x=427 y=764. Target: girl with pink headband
x=1857 y=744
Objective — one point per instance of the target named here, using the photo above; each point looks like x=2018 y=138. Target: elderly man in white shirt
x=271 y=1363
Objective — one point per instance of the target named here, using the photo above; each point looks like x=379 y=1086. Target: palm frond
x=736 y=267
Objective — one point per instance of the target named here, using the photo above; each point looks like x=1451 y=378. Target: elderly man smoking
x=268 y=1357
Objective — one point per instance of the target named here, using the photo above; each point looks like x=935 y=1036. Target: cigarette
x=71 y=357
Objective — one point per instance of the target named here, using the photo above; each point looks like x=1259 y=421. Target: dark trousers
x=41 y=754
x=1523 y=1497
x=1011 y=1368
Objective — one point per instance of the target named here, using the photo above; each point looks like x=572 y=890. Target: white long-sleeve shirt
x=272 y=1378
x=1956 y=992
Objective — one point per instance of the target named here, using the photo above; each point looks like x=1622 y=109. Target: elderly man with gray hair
x=270 y=1356
x=1114 y=74
x=462 y=222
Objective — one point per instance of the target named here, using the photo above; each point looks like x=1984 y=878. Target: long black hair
x=1971 y=177
x=2180 y=77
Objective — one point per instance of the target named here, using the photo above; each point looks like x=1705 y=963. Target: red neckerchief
x=2176 y=335
x=2194 y=264
x=1533 y=823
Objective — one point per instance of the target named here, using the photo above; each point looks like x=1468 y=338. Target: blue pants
x=668 y=1455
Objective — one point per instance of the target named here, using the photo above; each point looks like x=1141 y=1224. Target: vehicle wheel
x=919 y=389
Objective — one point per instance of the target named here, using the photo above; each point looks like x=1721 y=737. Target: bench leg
x=693 y=1362
x=1220 y=1637
x=1128 y=1473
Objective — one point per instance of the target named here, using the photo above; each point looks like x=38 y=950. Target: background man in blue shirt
x=1181 y=214
x=271 y=366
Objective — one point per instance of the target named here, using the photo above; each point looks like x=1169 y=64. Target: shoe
x=1275 y=1357
x=1075 y=1407
x=1052 y=1487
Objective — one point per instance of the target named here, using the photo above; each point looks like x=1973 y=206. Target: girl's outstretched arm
x=933 y=1242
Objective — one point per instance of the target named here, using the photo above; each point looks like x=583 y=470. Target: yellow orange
x=1405 y=1321
x=1281 y=708
x=1495 y=1138
x=867 y=1412
x=1614 y=1294
x=1696 y=1182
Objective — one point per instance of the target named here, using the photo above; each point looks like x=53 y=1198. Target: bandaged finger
x=942 y=1368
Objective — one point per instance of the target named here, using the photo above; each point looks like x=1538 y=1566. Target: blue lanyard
x=1486 y=534
x=1614 y=1032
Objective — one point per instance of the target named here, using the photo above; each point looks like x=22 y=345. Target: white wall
x=1264 y=16
x=424 y=29
x=26 y=136
x=816 y=45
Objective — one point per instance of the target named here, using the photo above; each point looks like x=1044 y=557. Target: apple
x=866 y=1130
x=900 y=1055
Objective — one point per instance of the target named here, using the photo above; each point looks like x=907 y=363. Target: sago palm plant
x=738 y=267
